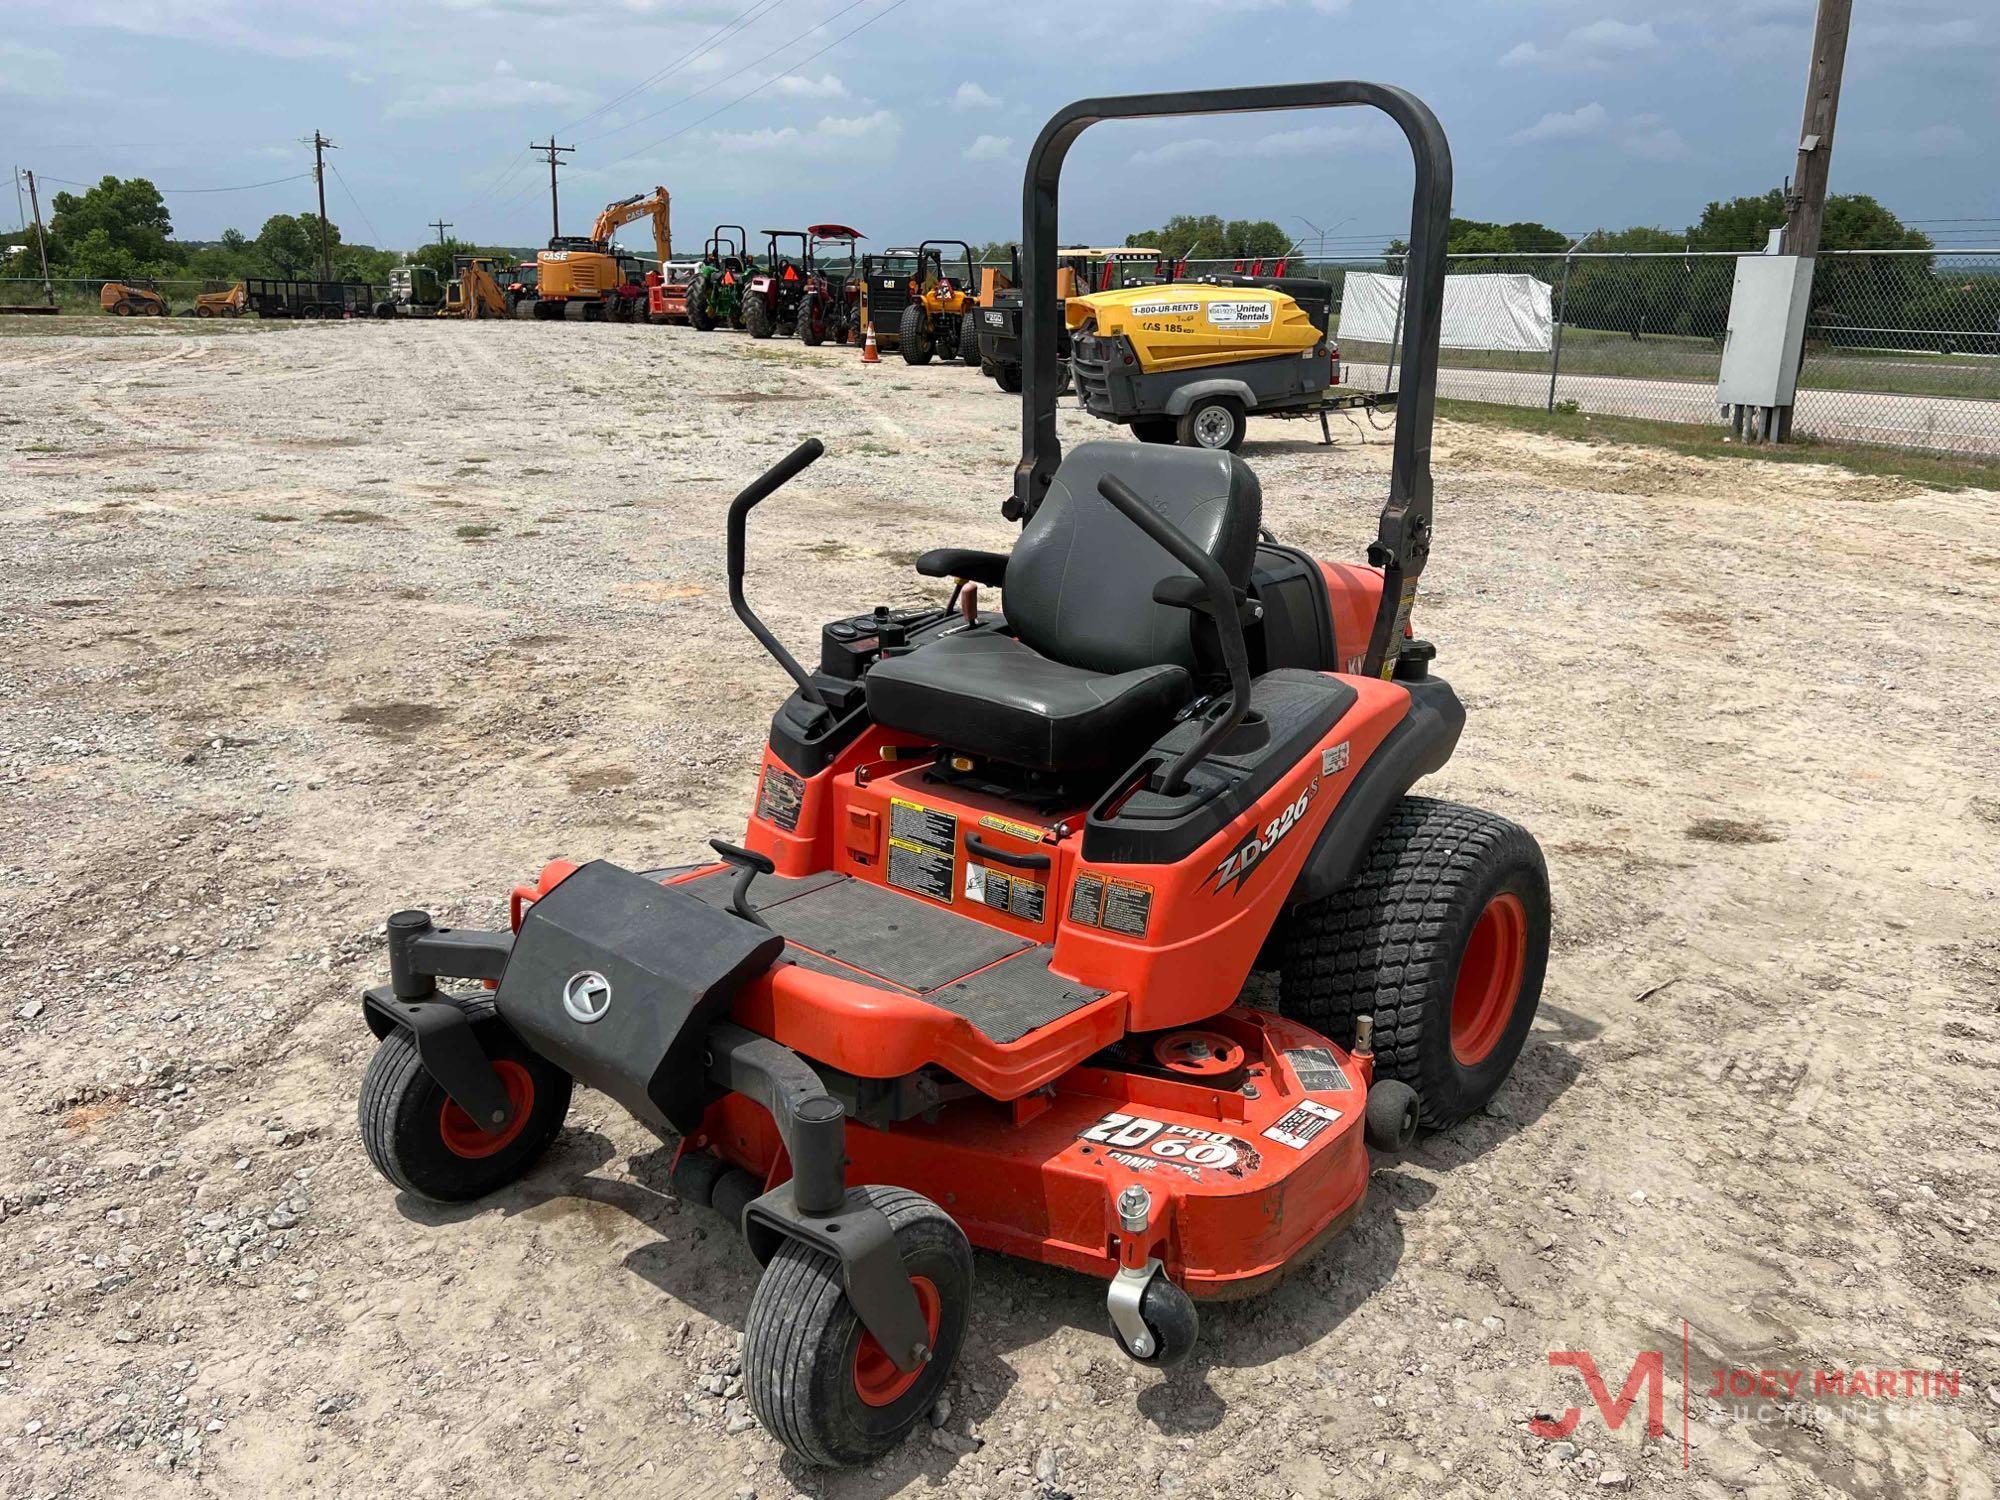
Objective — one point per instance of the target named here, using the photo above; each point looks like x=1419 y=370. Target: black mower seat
x=1095 y=667
x=986 y=692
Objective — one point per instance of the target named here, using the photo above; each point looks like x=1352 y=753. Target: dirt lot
x=299 y=628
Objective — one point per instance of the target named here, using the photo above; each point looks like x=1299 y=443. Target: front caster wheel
x=818 y=1380
x=425 y=1144
x=1172 y=1324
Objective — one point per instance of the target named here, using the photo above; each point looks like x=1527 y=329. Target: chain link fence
x=1902 y=347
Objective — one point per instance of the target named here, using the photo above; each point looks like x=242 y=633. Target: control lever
x=783 y=472
x=1222 y=601
x=749 y=865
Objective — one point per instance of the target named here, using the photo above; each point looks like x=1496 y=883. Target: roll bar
x=1403 y=535
x=941 y=246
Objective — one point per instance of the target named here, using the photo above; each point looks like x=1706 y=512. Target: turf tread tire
x=1388 y=944
x=794 y=1364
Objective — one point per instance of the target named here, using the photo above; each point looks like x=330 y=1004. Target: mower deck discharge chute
x=971 y=977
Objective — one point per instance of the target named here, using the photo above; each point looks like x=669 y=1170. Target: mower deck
x=1242 y=1179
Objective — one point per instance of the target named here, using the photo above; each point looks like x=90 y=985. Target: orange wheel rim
x=462 y=1134
x=877 y=1381
x=1489 y=979
x=1199 y=1054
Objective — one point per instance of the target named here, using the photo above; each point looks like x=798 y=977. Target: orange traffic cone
x=869 y=354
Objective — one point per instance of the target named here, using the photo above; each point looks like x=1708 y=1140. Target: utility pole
x=440 y=225
x=1805 y=201
x=1805 y=204
x=321 y=145
x=552 y=153
x=20 y=207
x=41 y=241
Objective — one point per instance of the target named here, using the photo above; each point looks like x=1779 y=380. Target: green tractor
x=715 y=295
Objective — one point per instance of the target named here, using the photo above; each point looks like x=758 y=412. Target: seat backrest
x=1079 y=584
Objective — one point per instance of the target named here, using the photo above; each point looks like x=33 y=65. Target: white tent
x=1482 y=310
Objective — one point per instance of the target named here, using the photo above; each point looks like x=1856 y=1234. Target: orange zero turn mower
x=972 y=975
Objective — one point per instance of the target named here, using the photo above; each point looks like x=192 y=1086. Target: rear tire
x=968 y=339
x=425 y=1144
x=913 y=336
x=816 y=1379
x=697 y=306
x=1214 y=422
x=757 y=318
x=1009 y=378
x=812 y=325
x=1443 y=938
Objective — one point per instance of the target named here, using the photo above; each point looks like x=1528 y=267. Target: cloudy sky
x=911 y=117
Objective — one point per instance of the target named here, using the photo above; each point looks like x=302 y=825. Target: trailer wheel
x=427 y=1145
x=1009 y=378
x=1442 y=937
x=913 y=336
x=1213 y=422
x=816 y=1378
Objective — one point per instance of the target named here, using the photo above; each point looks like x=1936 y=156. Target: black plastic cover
x=658 y=968
x=1297 y=628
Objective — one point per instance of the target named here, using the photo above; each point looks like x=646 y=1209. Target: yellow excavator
x=590 y=271
x=475 y=291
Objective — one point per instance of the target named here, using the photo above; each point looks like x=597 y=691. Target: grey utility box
x=1767 y=328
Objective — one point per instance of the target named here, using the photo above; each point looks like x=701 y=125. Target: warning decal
x=779 y=798
x=1301 y=1126
x=1318 y=1070
x=1015 y=894
x=1127 y=908
x=923 y=847
x=1086 y=899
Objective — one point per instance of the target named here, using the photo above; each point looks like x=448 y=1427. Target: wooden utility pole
x=1805 y=199
x=321 y=145
x=41 y=241
x=440 y=225
x=552 y=153
x=1805 y=204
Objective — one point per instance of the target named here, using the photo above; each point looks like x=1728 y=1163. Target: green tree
x=1854 y=221
x=288 y=245
x=118 y=228
x=1209 y=237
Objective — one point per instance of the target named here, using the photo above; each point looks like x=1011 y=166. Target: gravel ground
x=299 y=628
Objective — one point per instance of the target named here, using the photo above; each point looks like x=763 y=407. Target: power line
x=239 y=188
x=553 y=154
x=887 y=10
x=754 y=62
x=753 y=12
x=375 y=234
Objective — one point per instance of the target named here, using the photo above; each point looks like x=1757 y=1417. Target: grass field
x=1937 y=471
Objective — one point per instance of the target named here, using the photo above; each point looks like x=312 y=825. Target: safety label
x=1025 y=831
x=1333 y=758
x=1318 y=1070
x=1127 y=908
x=923 y=848
x=1086 y=899
x=1239 y=314
x=1302 y=1125
x=1015 y=894
x=780 y=797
